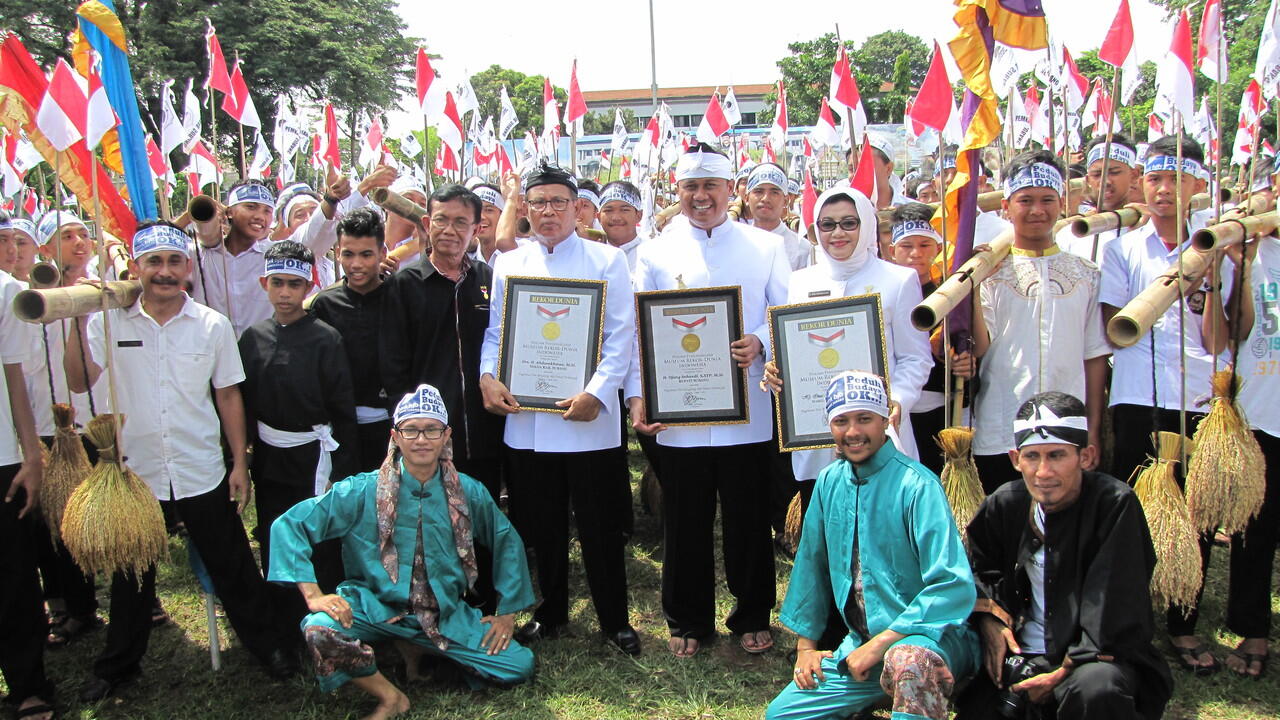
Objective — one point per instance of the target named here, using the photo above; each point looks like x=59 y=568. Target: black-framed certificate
x=812 y=343
x=552 y=330
x=687 y=375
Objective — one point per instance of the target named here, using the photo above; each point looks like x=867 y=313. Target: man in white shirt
x=555 y=459
x=620 y=212
x=766 y=195
x=177 y=371
x=700 y=463
x=1122 y=170
x=1040 y=328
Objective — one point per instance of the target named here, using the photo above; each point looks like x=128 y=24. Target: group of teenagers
x=402 y=493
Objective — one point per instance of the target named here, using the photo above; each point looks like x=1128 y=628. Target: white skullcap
x=851 y=391
x=696 y=164
x=424 y=402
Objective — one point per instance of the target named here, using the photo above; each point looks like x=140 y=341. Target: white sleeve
x=493 y=333
x=911 y=356
x=619 y=333
x=228 y=369
x=319 y=233
x=775 y=293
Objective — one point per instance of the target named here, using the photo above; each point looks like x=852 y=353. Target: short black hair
x=362 y=222
x=1027 y=158
x=622 y=184
x=454 y=191
x=1076 y=170
x=1062 y=405
x=251 y=181
x=1261 y=172
x=589 y=185
x=4 y=217
x=701 y=147
x=289 y=250
x=547 y=174
x=911 y=211
x=1116 y=139
x=1168 y=145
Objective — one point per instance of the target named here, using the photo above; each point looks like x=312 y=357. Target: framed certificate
x=552 y=329
x=812 y=342
x=687 y=374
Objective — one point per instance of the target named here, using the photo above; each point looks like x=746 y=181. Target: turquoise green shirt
x=915 y=573
x=348 y=511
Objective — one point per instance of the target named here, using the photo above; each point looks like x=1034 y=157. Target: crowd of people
x=341 y=368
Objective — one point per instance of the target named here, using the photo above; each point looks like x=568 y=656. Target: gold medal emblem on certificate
x=828 y=356
x=690 y=342
x=551 y=328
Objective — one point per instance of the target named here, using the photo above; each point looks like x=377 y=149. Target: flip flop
x=758 y=649
x=1249 y=659
x=1189 y=659
x=679 y=646
x=61 y=635
x=38 y=709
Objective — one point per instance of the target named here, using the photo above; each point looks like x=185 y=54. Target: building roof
x=704 y=91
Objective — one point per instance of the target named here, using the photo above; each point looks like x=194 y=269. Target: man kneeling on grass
x=410 y=562
x=880 y=541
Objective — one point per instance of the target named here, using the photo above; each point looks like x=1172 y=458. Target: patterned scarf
x=459 y=518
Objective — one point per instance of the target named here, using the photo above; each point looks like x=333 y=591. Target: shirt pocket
x=194 y=367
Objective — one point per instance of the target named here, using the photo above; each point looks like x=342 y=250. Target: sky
x=740 y=42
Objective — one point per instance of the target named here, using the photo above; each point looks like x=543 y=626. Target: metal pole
x=653 y=62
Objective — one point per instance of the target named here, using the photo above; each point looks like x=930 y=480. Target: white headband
x=914 y=227
x=1044 y=427
x=767 y=174
x=160 y=237
x=620 y=193
x=423 y=402
x=1119 y=153
x=24 y=225
x=287 y=266
x=852 y=391
x=295 y=202
x=695 y=165
x=251 y=193
x=491 y=196
x=585 y=194
x=54 y=221
x=1034 y=175
x=1169 y=163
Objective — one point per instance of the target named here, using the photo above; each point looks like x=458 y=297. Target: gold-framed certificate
x=812 y=343
x=552 y=330
x=687 y=375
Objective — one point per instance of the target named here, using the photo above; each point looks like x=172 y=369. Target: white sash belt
x=366 y=415
x=323 y=433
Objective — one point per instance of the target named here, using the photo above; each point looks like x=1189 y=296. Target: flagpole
x=213 y=127
x=1106 y=154
x=848 y=117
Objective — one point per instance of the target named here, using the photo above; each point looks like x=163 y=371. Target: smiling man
x=767 y=198
x=879 y=543
x=1063 y=560
x=1040 y=328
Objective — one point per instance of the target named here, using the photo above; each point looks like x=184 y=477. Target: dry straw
x=1176 y=579
x=1226 y=476
x=794 y=524
x=66 y=466
x=960 y=475
x=113 y=521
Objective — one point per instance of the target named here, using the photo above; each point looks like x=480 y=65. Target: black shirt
x=358 y=319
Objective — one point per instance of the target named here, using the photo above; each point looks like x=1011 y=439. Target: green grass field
x=578 y=676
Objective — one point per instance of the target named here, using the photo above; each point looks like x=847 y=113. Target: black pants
x=546 y=485
x=926 y=426
x=1093 y=691
x=273 y=499
x=373 y=438
x=487 y=470
x=692 y=479
x=994 y=471
x=836 y=629
x=252 y=605
x=1253 y=553
x=782 y=482
x=22 y=619
x=1133 y=427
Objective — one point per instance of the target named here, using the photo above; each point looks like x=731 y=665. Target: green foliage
x=525 y=92
x=888 y=57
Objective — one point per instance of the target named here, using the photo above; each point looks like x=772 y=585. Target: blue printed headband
x=251 y=193
x=1119 y=153
x=767 y=174
x=589 y=196
x=51 y=222
x=1169 y=163
x=424 y=402
x=287 y=266
x=24 y=225
x=159 y=237
x=621 y=194
x=914 y=227
x=1034 y=175
x=851 y=391
x=491 y=196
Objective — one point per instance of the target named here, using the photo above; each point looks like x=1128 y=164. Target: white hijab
x=868 y=233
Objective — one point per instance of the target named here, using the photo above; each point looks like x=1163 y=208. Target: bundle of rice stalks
x=1226 y=478
x=960 y=475
x=1176 y=579
x=113 y=521
x=793 y=525
x=651 y=492
x=66 y=466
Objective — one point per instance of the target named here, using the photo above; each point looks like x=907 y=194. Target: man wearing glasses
x=409 y=532
x=555 y=459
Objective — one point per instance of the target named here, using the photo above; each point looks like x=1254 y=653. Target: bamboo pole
x=60 y=303
x=956 y=288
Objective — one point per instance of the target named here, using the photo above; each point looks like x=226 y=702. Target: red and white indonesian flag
x=934 y=103
x=64 y=108
x=824 y=133
x=371 y=144
x=239 y=104
x=101 y=118
x=1175 y=84
x=714 y=124
x=576 y=108
x=844 y=94
x=449 y=125
x=1211 y=49
x=550 y=111
x=218 y=78
x=331 y=152
x=778 y=132
x=431 y=89
x=1117 y=50
x=808 y=200
x=202 y=165
x=1251 y=108
x=1075 y=83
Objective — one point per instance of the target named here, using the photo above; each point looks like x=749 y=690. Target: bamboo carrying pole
x=395 y=202
x=1234 y=230
x=1136 y=318
x=60 y=303
x=44 y=275
x=1124 y=218
x=956 y=288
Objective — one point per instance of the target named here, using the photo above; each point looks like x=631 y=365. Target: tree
x=525 y=92
x=601 y=123
x=889 y=57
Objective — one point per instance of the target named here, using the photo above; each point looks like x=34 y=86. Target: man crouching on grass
x=408 y=532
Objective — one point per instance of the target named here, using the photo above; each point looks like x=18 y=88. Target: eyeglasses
x=558 y=204
x=460 y=224
x=431 y=433
x=848 y=224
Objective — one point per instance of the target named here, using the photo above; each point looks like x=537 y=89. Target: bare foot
x=757 y=642
x=36 y=702
x=1249 y=657
x=412 y=655
x=683 y=647
x=390 y=707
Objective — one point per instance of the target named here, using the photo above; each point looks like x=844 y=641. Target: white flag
x=171 y=133
x=1018 y=122
x=507 y=120
x=730 y=106
x=190 y=119
x=465 y=97
x=289 y=136
x=261 y=159
x=1267 y=69
x=619 y=140
x=409 y=144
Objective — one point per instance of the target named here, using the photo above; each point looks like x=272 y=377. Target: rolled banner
x=49 y=304
x=956 y=288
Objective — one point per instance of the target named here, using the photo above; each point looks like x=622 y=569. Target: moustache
x=164 y=281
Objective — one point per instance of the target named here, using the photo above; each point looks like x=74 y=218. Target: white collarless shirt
x=1259 y=359
x=572 y=258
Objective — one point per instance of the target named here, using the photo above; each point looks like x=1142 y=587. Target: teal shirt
x=349 y=511
x=915 y=573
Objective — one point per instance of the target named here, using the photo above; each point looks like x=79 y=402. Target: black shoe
x=282 y=664
x=99 y=689
x=626 y=640
x=534 y=631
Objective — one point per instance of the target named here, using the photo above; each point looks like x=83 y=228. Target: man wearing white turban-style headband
x=1040 y=327
x=728 y=461
x=1123 y=172
x=879 y=544
x=767 y=198
x=409 y=532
